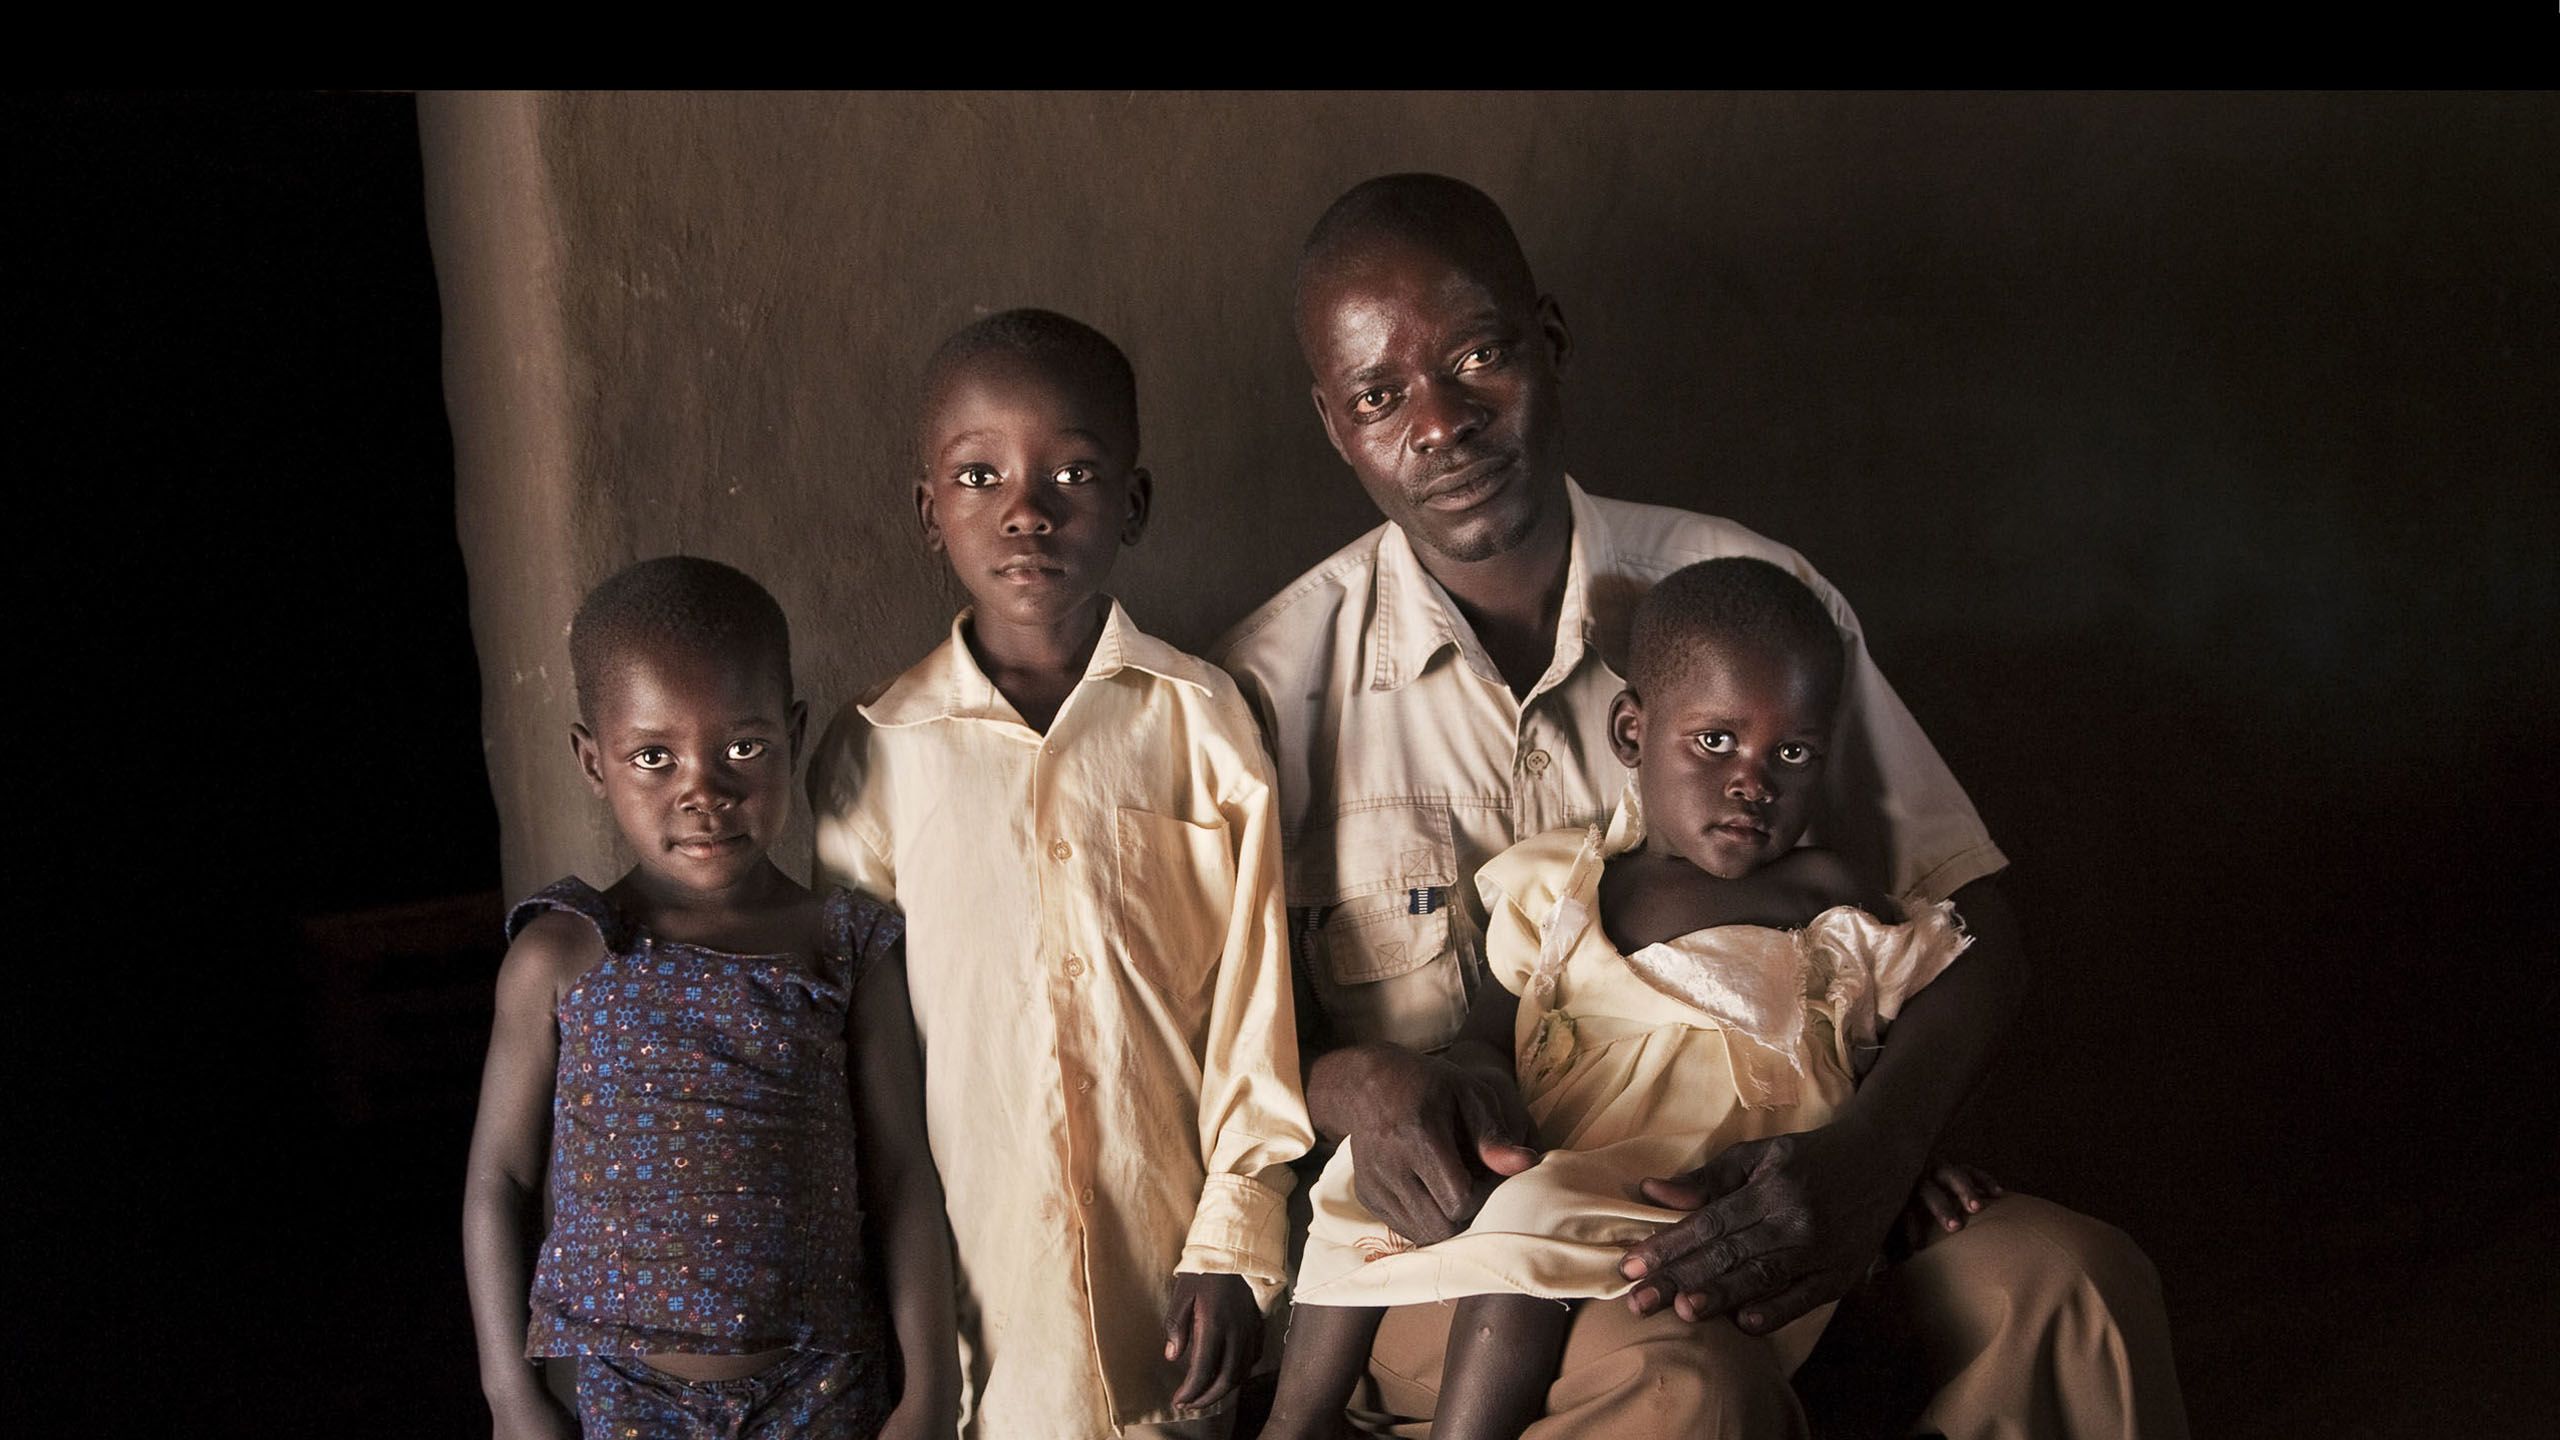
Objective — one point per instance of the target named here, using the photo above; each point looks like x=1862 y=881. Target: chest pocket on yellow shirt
x=1382 y=963
x=1177 y=888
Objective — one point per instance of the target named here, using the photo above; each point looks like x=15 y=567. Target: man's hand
x=1782 y=1225
x=1213 y=1323
x=1431 y=1136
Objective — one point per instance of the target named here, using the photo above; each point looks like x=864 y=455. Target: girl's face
x=695 y=753
x=1729 y=756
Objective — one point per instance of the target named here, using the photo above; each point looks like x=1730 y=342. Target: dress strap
x=859 y=931
x=576 y=897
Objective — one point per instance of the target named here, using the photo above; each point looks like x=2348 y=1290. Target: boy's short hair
x=1734 y=600
x=1056 y=343
x=680 y=601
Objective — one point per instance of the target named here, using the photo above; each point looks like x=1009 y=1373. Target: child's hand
x=1213 y=1322
x=1949 y=1193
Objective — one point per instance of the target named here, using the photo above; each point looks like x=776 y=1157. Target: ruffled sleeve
x=1519 y=887
x=859 y=931
x=1860 y=970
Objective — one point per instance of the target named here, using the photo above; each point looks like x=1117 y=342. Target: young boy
x=1079 y=823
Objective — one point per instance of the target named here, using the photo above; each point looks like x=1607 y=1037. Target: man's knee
x=1661 y=1375
x=2037 y=1256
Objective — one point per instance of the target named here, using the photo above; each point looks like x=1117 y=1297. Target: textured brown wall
x=2251 y=390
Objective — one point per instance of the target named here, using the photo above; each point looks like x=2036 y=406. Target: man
x=1438 y=690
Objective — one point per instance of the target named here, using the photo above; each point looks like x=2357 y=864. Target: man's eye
x=975 y=477
x=1370 y=401
x=1795 y=754
x=1072 y=475
x=1716 y=742
x=1480 y=357
x=746 y=749
x=656 y=757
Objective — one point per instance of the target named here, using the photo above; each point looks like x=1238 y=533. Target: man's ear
x=1325 y=415
x=1142 y=501
x=1551 y=325
x=1626 y=728
x=799 y=728
x=582 y=743
x=924 y=516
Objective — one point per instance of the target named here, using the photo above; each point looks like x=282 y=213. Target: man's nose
x=1446 y=414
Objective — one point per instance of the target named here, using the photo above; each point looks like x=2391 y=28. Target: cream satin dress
x=1632 y=1066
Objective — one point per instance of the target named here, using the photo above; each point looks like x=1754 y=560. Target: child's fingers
x=1945 y=1209
x=1971 y=1188
x=1206 y=1356
x=1177 y=1329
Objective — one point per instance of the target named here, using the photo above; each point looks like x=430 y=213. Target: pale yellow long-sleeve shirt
x=1097 y=957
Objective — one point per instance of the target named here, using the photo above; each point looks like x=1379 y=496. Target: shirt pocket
x=1177 y=891
x=1379 y=884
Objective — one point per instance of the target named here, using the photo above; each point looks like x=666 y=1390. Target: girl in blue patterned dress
x=717 y=1070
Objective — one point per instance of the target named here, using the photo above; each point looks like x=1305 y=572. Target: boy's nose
x=1029 y=511
x=1750 y=785
x=709 y=794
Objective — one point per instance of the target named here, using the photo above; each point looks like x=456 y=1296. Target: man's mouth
x=1469 y=483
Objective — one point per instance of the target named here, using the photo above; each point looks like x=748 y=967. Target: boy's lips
x=708 y=844
x=1031 y=569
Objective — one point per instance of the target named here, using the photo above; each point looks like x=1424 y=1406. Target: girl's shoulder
x=575 y=901
x=858 y=930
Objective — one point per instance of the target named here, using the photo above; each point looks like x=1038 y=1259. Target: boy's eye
x=746 y=749
x=975 y=477
x=1716 y=742
x=1479 y=357
x=1795 y=752
x=1371 y=400
x=1072 y=475
x=656 y=757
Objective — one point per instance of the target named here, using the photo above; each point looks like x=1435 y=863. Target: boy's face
x=1729 y=755
x=1029 y=486
x=694 y=753
x=1441 y=392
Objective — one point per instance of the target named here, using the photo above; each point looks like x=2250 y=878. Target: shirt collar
x=1412 y=619
x=949 y=684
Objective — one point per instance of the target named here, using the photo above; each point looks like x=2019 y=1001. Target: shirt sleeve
x=1253 y=1119
x=848 y=848
x=1894 y=808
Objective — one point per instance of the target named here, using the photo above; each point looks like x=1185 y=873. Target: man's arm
x=1789 y=1223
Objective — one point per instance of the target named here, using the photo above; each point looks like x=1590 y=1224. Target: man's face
x=1441 y=394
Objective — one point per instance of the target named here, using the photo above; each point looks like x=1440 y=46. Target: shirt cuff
x=1241 y=1228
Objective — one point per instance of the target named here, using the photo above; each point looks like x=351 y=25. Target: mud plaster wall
x=2112 y=414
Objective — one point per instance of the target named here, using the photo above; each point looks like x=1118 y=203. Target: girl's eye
x=1795 y=753
x=1480 y=357
x=656 y=757
x=1370 y=401
x=975 y=477
x=745 y=749
x=1716 y=742
x=1072 y=475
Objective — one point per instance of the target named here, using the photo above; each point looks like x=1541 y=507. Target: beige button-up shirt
x=1406 y=762
x=1096 y=953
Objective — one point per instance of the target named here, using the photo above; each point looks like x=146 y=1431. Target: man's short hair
x=1060 y=345
x=1734 y=601
x=675 y=602
x=1446 y=215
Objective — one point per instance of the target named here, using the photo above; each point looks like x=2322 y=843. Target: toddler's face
x=1029 y=487
x=1730 y=756
x=694 y=753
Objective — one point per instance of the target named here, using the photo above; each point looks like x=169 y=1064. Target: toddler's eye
x=975 y=477
x=746 y=749
x=1716 y=742
x=1795 y=753
x=1480 y=357
x=1370 y=401
x=656 y=757
x=1072 y=475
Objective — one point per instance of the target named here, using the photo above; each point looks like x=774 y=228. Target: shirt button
x=1535 y=762
x=1084 y=1086
x=1074 y=966
x=1087 y=1196
x=1060 y=849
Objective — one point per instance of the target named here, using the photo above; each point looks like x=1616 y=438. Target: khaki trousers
x=2032 y=1321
